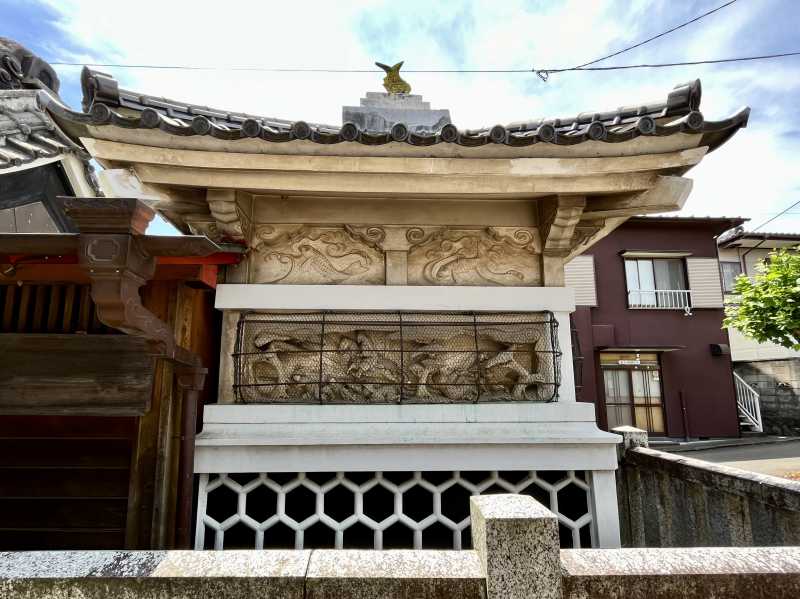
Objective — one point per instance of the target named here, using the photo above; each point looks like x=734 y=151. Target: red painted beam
x=37 y=259
x=213 y=259
x=49 y=272
x=218 y=258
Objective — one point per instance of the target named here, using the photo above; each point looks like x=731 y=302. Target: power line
x=326 y=70
x=278 y=69
x=655 y=37
x=544 y=73
x=541 y=72
x=781 y=213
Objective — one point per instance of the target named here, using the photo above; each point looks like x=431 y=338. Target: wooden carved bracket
x=118 y=265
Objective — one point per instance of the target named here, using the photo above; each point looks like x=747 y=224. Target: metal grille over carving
x=373 y=510
x=368 y=357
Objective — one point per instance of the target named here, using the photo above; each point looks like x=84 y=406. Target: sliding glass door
x=633 y=391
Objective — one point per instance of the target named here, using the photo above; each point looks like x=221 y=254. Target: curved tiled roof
x=27 y=133
x=104 y=103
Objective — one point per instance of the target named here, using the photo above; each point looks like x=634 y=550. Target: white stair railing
x=749 y=403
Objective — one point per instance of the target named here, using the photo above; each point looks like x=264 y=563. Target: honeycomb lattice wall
x=380 y=510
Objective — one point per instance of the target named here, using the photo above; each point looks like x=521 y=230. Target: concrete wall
x=516 y=556
x=668 y=500
x=778 y=384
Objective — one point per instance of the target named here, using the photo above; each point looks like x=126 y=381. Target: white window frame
x=647 y=295
x=725 y=287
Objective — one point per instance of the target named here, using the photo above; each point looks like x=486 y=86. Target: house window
x=658 y=283
x=730 y=270
x=633 y=391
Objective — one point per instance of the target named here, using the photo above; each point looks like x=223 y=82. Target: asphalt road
x=773 y=458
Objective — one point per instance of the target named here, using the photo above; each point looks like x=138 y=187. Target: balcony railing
x=660 y=299
x=369 y=357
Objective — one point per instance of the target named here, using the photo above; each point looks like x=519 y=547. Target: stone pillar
x=631 y=437
x=633 y=509
x=516 y=539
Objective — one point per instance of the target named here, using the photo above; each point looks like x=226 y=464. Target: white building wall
x=496 y=437
x=745 y=349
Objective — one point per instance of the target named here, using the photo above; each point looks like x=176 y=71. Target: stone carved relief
x=487 y=256
x=205 y=227
x=584 y=231
x=363 y=364
x=345 y=254
x=308 y=254
x=559 y=217
x=231 y=221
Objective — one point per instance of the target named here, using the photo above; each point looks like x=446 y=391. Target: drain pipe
x=743 y=256
x=685 y=415
x=190 y=382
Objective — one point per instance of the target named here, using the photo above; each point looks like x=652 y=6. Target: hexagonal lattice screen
x=379 y=510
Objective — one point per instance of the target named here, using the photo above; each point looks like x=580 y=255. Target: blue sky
x=755 y=175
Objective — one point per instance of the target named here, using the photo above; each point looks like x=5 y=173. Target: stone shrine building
x=397 y=335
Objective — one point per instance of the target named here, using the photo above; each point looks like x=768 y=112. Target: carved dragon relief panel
x=389 y=358
x=349 y=254
x=310 y=254
x=474 y=256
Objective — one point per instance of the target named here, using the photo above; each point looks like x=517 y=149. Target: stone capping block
x=400 y=574
x=697 y=573
x=773 y=491
x=631 y=437
x=153 y=574
x=516 y=539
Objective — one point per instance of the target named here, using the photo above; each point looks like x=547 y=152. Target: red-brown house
x=649 y=322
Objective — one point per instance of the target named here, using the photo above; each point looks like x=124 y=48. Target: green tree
x=768 y=307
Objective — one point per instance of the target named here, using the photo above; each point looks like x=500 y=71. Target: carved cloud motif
x=488 y=256
x=306 y=254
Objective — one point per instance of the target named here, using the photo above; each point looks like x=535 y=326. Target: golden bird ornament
x=393 y=83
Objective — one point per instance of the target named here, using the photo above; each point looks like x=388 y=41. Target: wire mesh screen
x=367 y=357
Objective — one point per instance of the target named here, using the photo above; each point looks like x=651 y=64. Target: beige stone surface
x=395 y=211
x=694 y=573
x=340 y=574
x=565 y=201
x=672 y=500
x=227 y=344
x=516 y=539
x=395 y=255
x=309 y=254
x=153 y=574
x=482 y=256
x=403 y=184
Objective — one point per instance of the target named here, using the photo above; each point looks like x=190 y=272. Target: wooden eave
x=54 y=257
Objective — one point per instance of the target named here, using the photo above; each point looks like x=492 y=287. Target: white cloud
x=756 y=174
